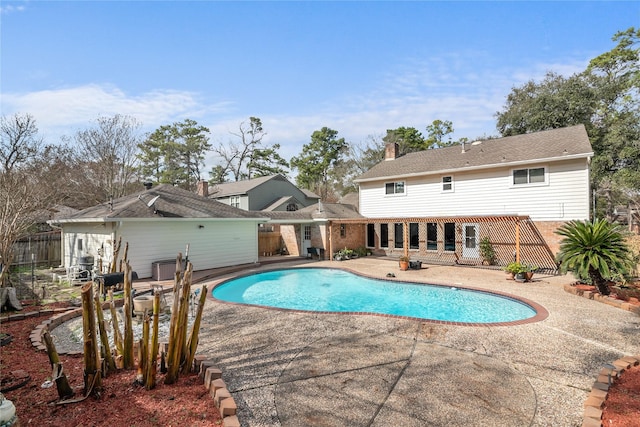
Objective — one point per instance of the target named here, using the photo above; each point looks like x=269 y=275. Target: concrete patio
x=288 y=368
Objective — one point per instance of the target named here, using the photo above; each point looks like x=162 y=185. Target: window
x=343 y=230
x=394 y=187
x=291 y=207
x=398 y=238
x=307 y=232
x=80 y=244
x=384 y=235
x=447 y=183
x=371 y=235
x=432 y=236
x=414 y=241
x=235 y=201
x=449 y=236
x=528 y=176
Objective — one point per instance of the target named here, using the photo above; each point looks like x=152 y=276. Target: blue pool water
x=323 y=289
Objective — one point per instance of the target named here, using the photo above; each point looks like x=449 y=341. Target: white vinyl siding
x=94 y=237
x=565 y=195
x=217 y=244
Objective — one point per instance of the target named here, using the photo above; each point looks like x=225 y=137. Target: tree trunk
x=92 y=375
x=128 y=321
x=8 y=295
x=599 y=281
x=117 y=335
x=62 y=384
x=152 y=364
x=192 y=344
x=178 y=338
x=104 y=337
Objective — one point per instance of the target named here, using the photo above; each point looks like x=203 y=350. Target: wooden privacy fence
x=43 y=249
x=269 y=243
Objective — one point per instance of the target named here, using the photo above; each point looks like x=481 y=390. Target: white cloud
x=9 y=8
x=62 y=111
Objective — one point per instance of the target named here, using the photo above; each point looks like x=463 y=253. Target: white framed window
x=235 y=201
x=447 y=183
x=394 y=187
x=529 y=176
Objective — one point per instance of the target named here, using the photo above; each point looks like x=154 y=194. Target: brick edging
x=597 y=397
x=210 y=375
x=596 y=296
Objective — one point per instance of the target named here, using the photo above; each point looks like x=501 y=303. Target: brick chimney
x=203 y=188
x=391 y=151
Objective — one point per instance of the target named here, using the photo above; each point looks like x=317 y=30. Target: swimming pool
x=334 y=290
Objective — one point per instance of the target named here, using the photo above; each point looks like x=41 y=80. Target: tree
x=436 y=132
x=409 y=139
x=111 y=151
x=175 y=153
x=595 y=250
x=553 y=103
x=359 y=158
x=30 y=180
x=605 y=99
x=247 y=158
x=317 y=159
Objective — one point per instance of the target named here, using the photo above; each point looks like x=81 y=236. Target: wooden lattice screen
x=513 y=238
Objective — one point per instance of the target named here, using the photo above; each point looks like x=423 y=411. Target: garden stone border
x=596 y=296
x=596 y=400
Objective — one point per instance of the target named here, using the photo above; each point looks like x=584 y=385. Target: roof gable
x=551 y=145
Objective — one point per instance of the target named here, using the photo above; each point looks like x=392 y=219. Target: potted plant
x=404 y=263
x=521 y=272
x=512 y=268
x=487 y=252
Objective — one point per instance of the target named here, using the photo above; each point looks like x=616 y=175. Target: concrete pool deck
x=288 y=369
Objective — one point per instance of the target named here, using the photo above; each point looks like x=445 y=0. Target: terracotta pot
x=528 y=276
x=404 y=265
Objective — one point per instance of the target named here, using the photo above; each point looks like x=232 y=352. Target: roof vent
x=148 y=185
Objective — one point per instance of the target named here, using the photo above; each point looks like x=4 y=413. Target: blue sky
x=357 y=67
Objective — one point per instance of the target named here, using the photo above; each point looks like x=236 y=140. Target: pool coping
x=541 y=312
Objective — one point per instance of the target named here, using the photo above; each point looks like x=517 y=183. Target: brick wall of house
x=547 y=230
x=354 y=236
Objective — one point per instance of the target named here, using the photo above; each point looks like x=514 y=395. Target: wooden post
x=92 y=375
x=128 y=321
x=178 y=336
x=62 y=384
x=405 y=238
x=152 y=363
x=104 y=338
x=518 y=240
x=117 y=335
x=330 y=226
x=192 y=344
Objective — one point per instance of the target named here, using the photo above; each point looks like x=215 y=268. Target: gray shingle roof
x=240 y=187
x=171 y=202
x=556 y=144
x=331 y=211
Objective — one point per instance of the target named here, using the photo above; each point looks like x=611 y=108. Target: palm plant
x=596 y=250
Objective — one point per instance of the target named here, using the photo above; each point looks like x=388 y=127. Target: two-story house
x=266 y=193
x=441 y=203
